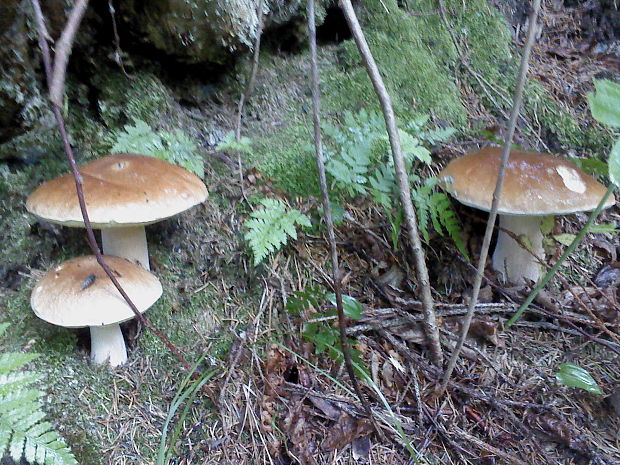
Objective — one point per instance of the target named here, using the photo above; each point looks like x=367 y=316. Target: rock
x=200 y=31
x=20 y=98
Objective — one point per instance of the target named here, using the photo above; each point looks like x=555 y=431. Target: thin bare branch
x=430 y=323
x=486 y=242
x=62 y=51
x=327 y=211
x=250 y=84
x=246 y=94
x=52 y=80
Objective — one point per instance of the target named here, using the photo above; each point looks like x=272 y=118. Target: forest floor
x=275 y=398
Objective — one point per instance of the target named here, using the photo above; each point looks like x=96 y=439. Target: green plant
x=269 y=227
x=360 y=165
x=574 y=376
x=324 y=336
x=229 y=142
x=174 y=147
x=186 y=393
x=23 y=431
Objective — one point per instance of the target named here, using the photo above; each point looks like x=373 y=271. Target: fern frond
x=229 y=142
x=436 y=207
x=269 y=227
x=23 y=433
x=174 y=147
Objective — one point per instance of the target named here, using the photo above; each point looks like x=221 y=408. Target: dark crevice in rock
x=334 y=28
x=289 y=37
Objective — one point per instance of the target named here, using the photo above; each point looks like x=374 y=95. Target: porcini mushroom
x=78 y=293
x=536 y=185
x=123 y=193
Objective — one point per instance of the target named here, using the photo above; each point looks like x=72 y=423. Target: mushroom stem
x=515 y=263
x=107 y=345
x=128 y=242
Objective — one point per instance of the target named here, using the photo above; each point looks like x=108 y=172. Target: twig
x=246 y=94
x=486 y=242
x=320 y=162
x=63 y=50
x=56 y=83
x=118 y=57
x=250 y=84
x=430 y=321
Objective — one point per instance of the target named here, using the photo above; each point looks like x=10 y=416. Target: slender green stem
x=569 y=250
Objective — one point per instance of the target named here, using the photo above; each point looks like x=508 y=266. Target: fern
x=23 y=433
x=271 y=226
x=436 y=207
x=174 y=147
x=361 y=165
x=231 y=143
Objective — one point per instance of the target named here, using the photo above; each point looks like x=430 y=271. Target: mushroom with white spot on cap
x=123 y=193
x=536 y=185
x=78 y=293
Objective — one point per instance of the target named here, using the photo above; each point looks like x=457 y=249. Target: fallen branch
x=55 y=73
x=430 y=321
x=486 y=242
x=327 y=211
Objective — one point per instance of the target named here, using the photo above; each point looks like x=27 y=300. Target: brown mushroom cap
x=120 y=190
x=78 y=293
x=535 y=183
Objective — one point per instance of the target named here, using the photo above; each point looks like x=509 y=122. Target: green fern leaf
x=269 y=227
x=174 y=147
x=229 y=142
x=23 y=433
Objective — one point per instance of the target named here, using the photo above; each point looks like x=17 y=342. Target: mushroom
x=123 y=193
x=78 y=293
x=536 y=185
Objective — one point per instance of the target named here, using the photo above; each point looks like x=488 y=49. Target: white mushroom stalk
x=107 y=345
x=128 y=242
x=510 y=259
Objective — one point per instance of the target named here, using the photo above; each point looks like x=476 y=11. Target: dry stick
x=250 y=85
x=496 y=194
x=320 y=163
x=52 y=78
x=246 y=94
x=63 y=50
x=117 y=40
x=431 y=331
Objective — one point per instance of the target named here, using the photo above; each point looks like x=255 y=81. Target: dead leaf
x=485 y=329
x=608 y=276
x=361 y=448
x=344 y=431
x=325 y=406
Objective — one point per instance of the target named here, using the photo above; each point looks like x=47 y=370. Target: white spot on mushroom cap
x=572 y=179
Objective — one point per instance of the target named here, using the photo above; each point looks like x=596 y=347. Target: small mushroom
x=536 y=185
x=78 y=293
x=123 y=193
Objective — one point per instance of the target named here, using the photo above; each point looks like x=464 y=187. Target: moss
x=123 y=100
x=413 y=74
x=288 y=158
